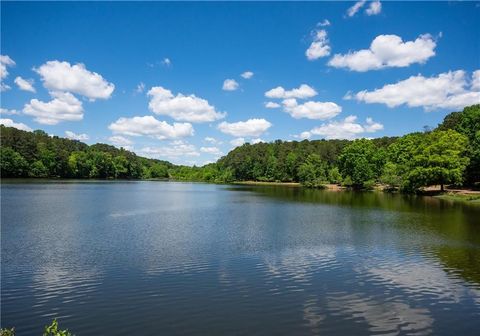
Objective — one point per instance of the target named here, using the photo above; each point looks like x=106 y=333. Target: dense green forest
x=36 y=154
x=449 y=154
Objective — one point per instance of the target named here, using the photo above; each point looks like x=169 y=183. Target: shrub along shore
x=446 y=155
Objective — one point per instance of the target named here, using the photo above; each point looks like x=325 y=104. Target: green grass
x=472 y=199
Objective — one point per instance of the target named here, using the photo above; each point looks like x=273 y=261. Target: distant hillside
x=36 y=154
x=447 y=154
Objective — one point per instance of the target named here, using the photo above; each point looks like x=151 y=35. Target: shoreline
x=265 y=183
x=329 y=187
x=469 y=196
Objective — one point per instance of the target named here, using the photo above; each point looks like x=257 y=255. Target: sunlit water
x=151 y=258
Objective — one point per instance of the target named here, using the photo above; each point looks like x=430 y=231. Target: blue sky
x=125 y=73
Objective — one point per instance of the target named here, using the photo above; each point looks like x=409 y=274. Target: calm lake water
x=151 y=258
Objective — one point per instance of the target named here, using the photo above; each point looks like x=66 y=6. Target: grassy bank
x=471 y=198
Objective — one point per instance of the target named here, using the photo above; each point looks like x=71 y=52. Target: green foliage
x=79 y=164
x=53 y=330
x=361 y=161
x=120 y=166
x=347 y=182
x=391 y=176
x=38 y=169
x=158 y=171
x=428 y=159
x=439 y=159
x=280 y=160
x=467 y=123
x=36 y=154
x=334 y=175
x=50 y=330
x=291 y=166
x=369 y=184
x=209 y=173
x=313 y=172
x=7 y=332
x=448 y=155
x=12 y=164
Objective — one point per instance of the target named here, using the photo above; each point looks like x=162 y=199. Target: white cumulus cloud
x=180 y=107
x=237 y=142
x=319 y=47
x=73 y=136
x=174 y=150
x=10 y=123
x=25 y=84
x=348 y=128
x=140 y=87
x=311 y=109
x=5 y=61
x=251 y=127
x=212 y=140
x=355 y=8
x=149 y=126
x=63 y=107
x=372 y=126
x=302 y=92
x=230 y=85
x=476 y=80
x=62 y=76
x=450 y=90
x=387 y=51
x=303 y=135
x=272 y=105
x=374 y=8
x=120 y=141
x=5 y=111
x=247 y=74
x=211 y=150
x=257 y=140
x=324 y=23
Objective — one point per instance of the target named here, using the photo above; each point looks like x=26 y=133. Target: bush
x=369 y=184
x=347 y=182
x=52 y=330
x=7 y=332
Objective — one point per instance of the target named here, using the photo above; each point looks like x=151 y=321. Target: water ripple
x=231 y=262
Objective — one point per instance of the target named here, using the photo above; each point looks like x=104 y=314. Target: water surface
x=149 y=258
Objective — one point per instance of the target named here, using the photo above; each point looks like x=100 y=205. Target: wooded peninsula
x=446 y=155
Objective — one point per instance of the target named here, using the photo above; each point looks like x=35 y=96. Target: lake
x=151 y=258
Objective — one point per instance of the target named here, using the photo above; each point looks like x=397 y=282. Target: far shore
x=332 y=187
x=288 y=184
x=451 y=194
x=462 y=195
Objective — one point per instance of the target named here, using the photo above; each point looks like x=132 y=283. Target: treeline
x=36 y=154
x=449 y=154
